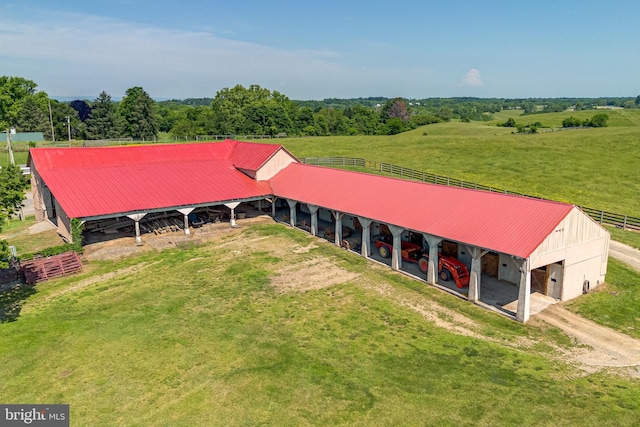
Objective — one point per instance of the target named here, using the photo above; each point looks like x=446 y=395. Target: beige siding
x=582 y=245
x=275 y=164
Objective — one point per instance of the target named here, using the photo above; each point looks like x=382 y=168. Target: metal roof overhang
x=512 y=225
x=172 y=208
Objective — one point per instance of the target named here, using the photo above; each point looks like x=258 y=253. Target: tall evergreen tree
x=101 y=123
x=32 y=119
x=138 y=115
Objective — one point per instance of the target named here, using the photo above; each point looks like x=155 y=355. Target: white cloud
x=83 y=55
x=472 y=78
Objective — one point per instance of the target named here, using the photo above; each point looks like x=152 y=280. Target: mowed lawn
x=218 y=334
x=595 y=167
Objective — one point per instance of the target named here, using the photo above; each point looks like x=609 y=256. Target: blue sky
x=329 y=49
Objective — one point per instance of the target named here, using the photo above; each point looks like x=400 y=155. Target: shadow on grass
x=11 y=301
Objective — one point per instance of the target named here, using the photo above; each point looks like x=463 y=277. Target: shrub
x=571 y=122
x=598 y=121
x=510 y=123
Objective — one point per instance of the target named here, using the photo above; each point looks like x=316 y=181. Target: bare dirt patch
x=317 y=273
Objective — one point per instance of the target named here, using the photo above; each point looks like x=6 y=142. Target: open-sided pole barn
x=548 y=246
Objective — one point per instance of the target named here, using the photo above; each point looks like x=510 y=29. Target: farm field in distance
x=594 y=167
x=268 y=325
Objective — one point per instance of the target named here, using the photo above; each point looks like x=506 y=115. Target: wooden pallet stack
x=41 y=269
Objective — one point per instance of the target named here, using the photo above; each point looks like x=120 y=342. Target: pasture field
x=270 y=326
x=596 y=167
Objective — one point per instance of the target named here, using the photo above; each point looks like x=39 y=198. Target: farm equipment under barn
x=449 y=268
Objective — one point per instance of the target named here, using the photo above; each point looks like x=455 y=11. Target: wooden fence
x=625 y=222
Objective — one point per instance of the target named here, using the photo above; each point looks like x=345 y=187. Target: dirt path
x=599 y=346
x=625 y=253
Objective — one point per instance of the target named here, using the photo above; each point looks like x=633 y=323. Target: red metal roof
x=90 y=182
x=498 y=222
x=251 y=156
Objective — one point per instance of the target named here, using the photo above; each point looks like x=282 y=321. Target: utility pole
x=53 y=132
x=10 y=132
x=69 y=127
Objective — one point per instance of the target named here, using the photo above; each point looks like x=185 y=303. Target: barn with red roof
x=537 y=245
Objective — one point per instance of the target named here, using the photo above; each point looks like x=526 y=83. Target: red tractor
x=449 y=268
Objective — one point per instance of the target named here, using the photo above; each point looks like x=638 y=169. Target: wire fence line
x=625 y=222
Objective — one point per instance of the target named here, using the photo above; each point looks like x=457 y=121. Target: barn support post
x=476 y=272
x=233 y=207
x=366 y=236
x=293 y=220
x=137 y=217
x=396 y=252
x=433 y=243
x=524 y=291
x=313 y=210
x=186 y=212
x=338 y=228
x=273 y=207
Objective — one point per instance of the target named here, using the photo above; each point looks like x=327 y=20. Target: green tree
x=598 y=121
x=12 y=191
x=60 y=111
x=395 y=109
x=101 y=123
x=510 y=123
x=364 y=120
x=445 y=113
x=304 y=121
x=138 y=115
x=14 y=91
x=571 y=121
x=32 y=119
x=252 y=110
x=637 y=101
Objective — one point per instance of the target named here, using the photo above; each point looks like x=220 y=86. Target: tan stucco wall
x=275 y=164
x=37 y=189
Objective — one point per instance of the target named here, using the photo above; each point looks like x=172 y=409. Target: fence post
x=624 y=224
x=601 y=216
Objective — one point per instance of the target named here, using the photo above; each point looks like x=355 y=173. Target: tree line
x=249 y=110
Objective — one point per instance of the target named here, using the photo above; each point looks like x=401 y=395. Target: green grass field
x=597 y=168
x=206 y=336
